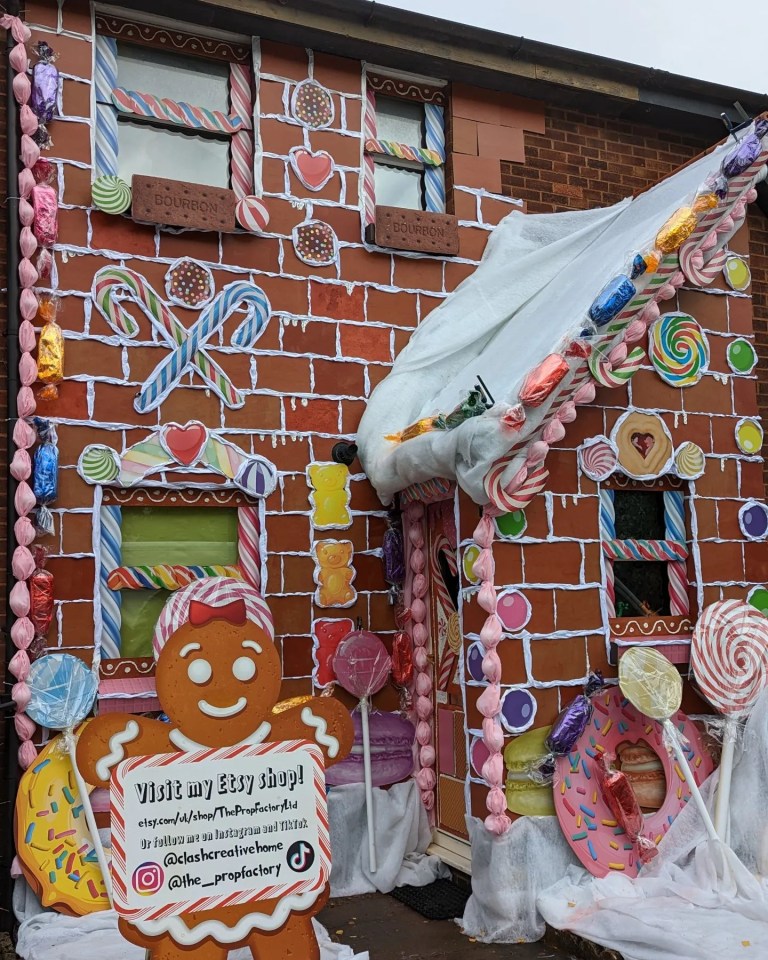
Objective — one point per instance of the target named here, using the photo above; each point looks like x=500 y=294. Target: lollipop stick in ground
x=724 y=785
x=368 y=784
x=90 y=819
x=674 y=742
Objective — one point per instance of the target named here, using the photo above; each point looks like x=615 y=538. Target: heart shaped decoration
x=185 y=443
x=643 y=443
x=313 y=169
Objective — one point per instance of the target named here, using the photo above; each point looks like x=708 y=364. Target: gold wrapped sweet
x=678 y=228
x=427 y=425
x=704 y=201
x=50 y=351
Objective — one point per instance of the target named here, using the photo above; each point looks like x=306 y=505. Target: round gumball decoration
x=478 y=754
x=218 y=681
x=518 y=710
x=753 y=520
x=362 y=666
x=252 y=214
x=315 y=243
x=511 y=525
x=111 y=195
x=729 y=659
x=588 y=821
x=741 y=356
x=475 y=656
x=749 y=436
x=737 y=273
x=678 y=349
x=312 y=105
x=514 y=610
x=597 y=458
x=471 y=553
x=689 y=461
x=98 y=464
x=758 y=598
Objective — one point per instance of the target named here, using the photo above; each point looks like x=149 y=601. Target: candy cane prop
x=105 y=80
x=183 y=114
x=391 y=148
x=448 y=660
x=674 y=520
x=241 y=105
x=369 y=167
x=607 y=535
x=519 y=492
x=248 y=545
x=167 y=576
x=489 y=701
x=434 y=174
x=644 y=550
x=111 y=603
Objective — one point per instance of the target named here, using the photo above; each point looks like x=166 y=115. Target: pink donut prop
x=585 y=818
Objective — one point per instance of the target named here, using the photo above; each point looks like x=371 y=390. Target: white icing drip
x=186 y=745
x=321 y=734
x=116 y=752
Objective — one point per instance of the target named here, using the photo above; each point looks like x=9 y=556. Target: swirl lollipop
x=678 y=349
x=729 y=659
x=63 y=691
x=655 y=688
x=362 y=666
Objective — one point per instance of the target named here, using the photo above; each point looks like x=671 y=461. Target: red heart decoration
x=643 y=443
x=185 y=443
x=313 y=169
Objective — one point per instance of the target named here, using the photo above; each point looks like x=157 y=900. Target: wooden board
x=178 y=204
x=417 y=230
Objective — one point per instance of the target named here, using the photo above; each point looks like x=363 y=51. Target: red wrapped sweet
x=620 y=797
x=402 y=659
x=41 y=596
x=540 y=382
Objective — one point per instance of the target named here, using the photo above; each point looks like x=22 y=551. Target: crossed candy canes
x=113 y=286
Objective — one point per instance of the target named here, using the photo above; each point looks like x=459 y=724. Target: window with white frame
x=173 y=105
x=404 y=144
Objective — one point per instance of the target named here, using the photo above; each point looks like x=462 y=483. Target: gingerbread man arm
x=111 y=738
x=322 y=720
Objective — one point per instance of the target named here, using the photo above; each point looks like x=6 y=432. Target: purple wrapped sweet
x=742 y=156
x=394 y=559
x=573 y=720
x=761 y=127
x=45 y=84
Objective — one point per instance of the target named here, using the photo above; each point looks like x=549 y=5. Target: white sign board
x=198 y=831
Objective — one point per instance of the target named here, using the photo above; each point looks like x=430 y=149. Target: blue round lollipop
x=63 y=691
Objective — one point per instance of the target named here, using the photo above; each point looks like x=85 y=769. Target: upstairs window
x=404 y=145
x=173 y=105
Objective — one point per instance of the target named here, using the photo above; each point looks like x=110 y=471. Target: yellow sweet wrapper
x=414 y=430
x=50 y=359
x=678 y=228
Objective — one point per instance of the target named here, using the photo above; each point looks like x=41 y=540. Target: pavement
x=389 y=930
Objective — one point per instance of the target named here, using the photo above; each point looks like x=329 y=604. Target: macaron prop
x=63 y=693
x=362 y=666
x=729 y=659
x=655 y=688
x=526 y=795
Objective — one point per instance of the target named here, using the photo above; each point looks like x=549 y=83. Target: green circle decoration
x=741 y=356
x=110 y=194
x=758 y=598
x=511 y=525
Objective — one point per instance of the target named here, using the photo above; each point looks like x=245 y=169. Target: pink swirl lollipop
x=362 y=666
x=729 y=658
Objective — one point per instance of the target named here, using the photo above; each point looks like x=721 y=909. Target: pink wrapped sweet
x=46 y=222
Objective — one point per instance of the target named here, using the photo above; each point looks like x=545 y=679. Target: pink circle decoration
x=514 y=610
x=252 y=214
x=478 y=754
x=586 y=820
x=362 y=664
x=597 y=458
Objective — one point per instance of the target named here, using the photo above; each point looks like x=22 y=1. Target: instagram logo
x=148 y=879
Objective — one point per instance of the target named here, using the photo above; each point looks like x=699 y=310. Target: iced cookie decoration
x=53 y=842
x=218 y=681
x=312 y=105
x=330 y=495
x=644 y=445
x=334 y=573
x=189 y=284
x=315 y=243
x=678 y=349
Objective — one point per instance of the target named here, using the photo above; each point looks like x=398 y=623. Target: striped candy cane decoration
x=635 y=549
x=434 y=176
x=248 y=545
x=674 y=520
x=111 y=601
x=369 y=167
x=609 y=375
x=105 y=80
x=241 y=105
x=443 y=599
x=608 y=533
x=178 y=112
x=518 y=499
x=167 y=576
x=391 y=148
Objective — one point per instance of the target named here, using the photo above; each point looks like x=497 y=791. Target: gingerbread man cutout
x=218 y=680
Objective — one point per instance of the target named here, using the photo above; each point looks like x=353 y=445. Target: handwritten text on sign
x=192 y=831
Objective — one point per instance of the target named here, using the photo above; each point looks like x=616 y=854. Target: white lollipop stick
x=90 y=819
x=724 y=785
x=368 y=784
x=684 y=766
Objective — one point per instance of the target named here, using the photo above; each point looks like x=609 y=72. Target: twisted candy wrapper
x=678 y=228
x=541 y=381
x=612 y=298
x=41 y=596
x=742 y=156
x=46 y=218
x=45 y=84
x=568 y=727
x=393 y=555
x=620 y=797
x=50 y=351
x=45 y=485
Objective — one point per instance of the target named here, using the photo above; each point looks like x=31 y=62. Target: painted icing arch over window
x=134 y=125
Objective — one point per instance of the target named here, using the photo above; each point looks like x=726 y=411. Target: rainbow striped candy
x=183 y=114
x=167 y=576
x=390 y=148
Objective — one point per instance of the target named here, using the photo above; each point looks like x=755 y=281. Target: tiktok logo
x=301 y=856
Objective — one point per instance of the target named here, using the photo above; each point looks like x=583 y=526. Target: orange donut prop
x=53 y=841
x=585 y=818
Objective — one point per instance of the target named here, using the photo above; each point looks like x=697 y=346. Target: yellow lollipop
x=654 y=687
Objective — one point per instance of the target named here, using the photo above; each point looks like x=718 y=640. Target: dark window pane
x=639 y=515
x=642 y=588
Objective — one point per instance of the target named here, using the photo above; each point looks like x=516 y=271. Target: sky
x=705 y=39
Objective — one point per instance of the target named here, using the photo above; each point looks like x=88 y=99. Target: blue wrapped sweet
x=639 y=266
x=612 y=298
x=46 y=473
x=742 y=156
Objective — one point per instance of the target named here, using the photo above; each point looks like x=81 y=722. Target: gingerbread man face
x=218 y=676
